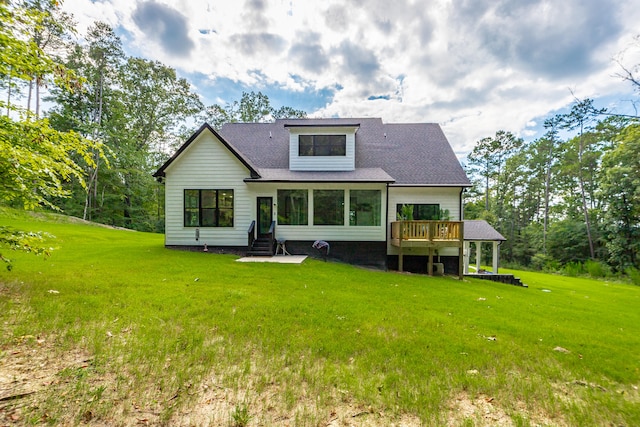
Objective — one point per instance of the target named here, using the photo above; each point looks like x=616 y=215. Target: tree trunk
x=29 y=95
x=547 y=190
x=37 y=97
x=486 y=189
x=585 y=209
x=8 y=91
x=93 y=182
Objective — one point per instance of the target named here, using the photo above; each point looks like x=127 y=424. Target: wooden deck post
x=400 y=258
x=430 y=264
x=461 y=260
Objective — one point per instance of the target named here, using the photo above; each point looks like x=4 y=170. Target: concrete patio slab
x=280 y=259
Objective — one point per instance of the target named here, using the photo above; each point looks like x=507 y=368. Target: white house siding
x=446 y=197
x=322 y=163
x=207 y=164
x=324 y=232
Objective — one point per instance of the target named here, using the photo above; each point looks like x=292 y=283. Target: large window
x=208 y=208
x=293 y=207
x=418 y=211
x=364 y=207
x=328 y=207
x=322 y=145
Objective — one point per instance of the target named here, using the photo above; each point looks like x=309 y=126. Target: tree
x=88 y=110
x=487 y=159
x=155 y=102
x=48 y=29
x=547 y=148
x=630 y=73
x=138 y=109
x=580 y=116
x=252 y=108
x=288 y=113
x=621 y=191
x=35 y=159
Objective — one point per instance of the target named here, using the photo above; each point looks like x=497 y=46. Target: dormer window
x=325 y=148
x=322 y=145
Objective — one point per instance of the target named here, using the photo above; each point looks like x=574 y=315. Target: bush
x=542 y=262
x=573 y=269
x=634 y=275
x=596 y=269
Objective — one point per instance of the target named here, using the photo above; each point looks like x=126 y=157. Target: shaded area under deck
x=432 y=235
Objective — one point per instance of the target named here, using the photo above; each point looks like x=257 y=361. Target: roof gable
x=481 y=230
x=206 y=127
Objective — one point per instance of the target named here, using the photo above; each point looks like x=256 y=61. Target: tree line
x=130 y=113
x=569 y=200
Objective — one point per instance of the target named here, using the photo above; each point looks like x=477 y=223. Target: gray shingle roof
x=410 y=153
x=480 y=230
x=358 y=175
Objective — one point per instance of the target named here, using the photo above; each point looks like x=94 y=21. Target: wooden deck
x=429 y=234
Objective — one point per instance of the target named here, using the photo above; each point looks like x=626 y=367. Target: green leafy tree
x=89 y=111
x=288 y=113
x=547 y=148
x=488 y=157
x=621 y=191
x=252 y=108
x=580 y=117
x=35 y=159
x=48 y=29
x=138 y=108
x=567 y=241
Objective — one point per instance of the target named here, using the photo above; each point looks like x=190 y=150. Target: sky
x=473 y=66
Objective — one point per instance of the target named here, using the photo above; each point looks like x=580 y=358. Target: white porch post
x=478 y=252
x=467 y=257
x=495 y=257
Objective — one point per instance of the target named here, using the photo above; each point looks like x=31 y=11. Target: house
x=387 y=195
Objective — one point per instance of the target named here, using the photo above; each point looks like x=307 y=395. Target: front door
x=265 y=215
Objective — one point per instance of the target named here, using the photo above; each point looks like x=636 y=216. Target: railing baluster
x=426 y=230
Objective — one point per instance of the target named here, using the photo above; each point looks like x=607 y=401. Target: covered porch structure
x=479 y=232
x=432 y=235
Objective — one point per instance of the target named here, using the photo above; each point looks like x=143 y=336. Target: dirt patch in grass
x=33 y=371
x=29 y=367
x=256 y=403
x=485 y=411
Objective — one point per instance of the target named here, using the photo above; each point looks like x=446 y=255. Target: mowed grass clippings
x=142 y=334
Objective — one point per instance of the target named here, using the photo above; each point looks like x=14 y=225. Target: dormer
x=322 y=147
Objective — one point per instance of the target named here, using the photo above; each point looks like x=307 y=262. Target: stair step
x=259 y=253
x=261 y=247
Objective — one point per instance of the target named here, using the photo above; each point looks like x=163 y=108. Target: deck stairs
x=261 y=247
x=508 y=279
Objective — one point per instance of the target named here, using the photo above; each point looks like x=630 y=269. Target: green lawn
x=194 y=338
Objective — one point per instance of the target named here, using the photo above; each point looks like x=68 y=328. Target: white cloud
x=475 y=66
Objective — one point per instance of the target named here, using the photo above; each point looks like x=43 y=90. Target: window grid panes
x=418 y=212
x=208 y=208
x=322 y=145
x=293 y=207
x=365 y=207
x=328 y=207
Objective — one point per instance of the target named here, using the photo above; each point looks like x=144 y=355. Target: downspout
x=462 y=190
x=386 y=231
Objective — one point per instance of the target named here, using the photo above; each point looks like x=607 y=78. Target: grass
x=164 y=332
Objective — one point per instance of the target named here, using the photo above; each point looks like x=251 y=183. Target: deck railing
x=427 y=231
x=251 y=234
